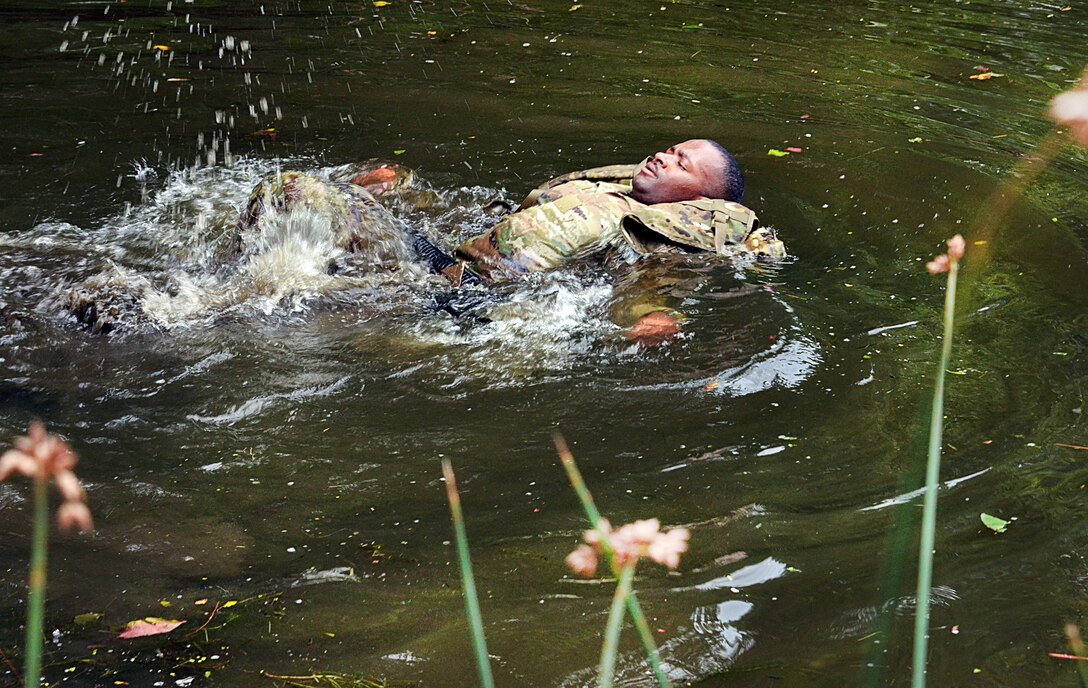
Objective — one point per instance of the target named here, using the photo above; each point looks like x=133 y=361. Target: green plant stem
x=929 y=509
x=634 y=609
x=610 y=648
x=35 y=604
x=468 y=583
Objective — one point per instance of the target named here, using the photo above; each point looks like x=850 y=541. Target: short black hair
x=731 y=186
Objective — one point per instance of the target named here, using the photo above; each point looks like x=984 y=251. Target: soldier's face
x=684 y=172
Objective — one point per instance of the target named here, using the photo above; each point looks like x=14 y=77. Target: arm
x=647 y=300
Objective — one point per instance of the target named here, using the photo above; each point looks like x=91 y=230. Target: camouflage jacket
x=356 y=220
x=346 y=206
x=588 y=212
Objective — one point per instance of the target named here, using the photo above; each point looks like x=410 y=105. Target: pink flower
x=69 y=487
x=629 y=543
x=14 y=461
x=593 y=537
x=668 y=547
x=1070 y=109
x=942 y=263
x=956 y=247
x=583 y=561
x=41 y=456
x=74 y=514
x=938 y=265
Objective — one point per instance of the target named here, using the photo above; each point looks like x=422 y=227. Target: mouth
x=648 y=169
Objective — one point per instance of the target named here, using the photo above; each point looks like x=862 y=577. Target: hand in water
x=377 y=181
x=654 y=329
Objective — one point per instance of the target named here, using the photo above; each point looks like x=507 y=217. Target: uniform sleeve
x=547 y=235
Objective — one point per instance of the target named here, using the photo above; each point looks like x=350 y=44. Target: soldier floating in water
x=682 y=200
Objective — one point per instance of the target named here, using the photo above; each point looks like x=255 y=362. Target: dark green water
x=236 y=445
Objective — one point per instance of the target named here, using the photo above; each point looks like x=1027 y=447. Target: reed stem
x=929 y=509
x=468 y=583
x=610 y=648
x=35 y=605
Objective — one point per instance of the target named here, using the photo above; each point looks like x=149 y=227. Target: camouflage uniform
x=586 y=213
x=573 y=216
x=360 y=223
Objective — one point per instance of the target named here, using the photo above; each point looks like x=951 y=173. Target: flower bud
x=938 y=265
x=956 y=246
x=1070 y=109
x=74 y=514
x=583 y=561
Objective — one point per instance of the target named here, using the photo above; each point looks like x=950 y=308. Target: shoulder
x=581 y=187
x=585 y=180
x=607 y=173
x=705 y=225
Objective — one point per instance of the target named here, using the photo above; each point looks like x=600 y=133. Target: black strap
x=438 y=260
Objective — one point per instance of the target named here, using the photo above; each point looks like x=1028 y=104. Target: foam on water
x=172 y=261
x=549 y=321
x=286 y=266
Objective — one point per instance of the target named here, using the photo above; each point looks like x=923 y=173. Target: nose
x=661 y=158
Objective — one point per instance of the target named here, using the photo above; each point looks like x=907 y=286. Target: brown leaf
x=151 y=625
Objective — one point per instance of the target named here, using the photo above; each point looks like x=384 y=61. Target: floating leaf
x=87 y=618
x=381 y=3
x=163 y=48
x=399 y=151
x=151 y=625
x=793 y=149
x=164 y=603
x=916 y=139
x=998 y=525
x=777 y=153
x=229 y=603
